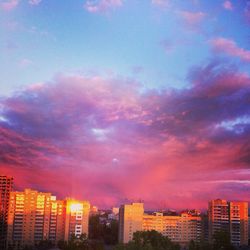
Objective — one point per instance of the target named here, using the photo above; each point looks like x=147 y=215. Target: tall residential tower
x=6 y=186
x=130 y=221
x=230 y=217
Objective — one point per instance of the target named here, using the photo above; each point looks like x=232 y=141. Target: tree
x=44 y=245
x=221 y=241
x=80 y=243
x=204 y=245
x=102 y=231
x=10 y=247
x=193 y=245
x=75 y=243
x=96 y=245
x=95 y=228
x=27 y=247
x=62 y=244
x=149 y=240
x=110 y=233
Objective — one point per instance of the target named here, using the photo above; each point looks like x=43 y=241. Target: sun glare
x=75 y=207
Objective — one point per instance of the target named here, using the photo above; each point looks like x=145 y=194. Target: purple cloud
x=120 y=141
x=247 y=11
x=9 y=5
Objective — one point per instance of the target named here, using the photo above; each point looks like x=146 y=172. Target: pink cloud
x=228 y=5
x=102 y=6
x=230 y=47
x=192 y=18
x=9 y=5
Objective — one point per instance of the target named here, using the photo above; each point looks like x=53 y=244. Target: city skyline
x=117 y=100
x=30 y=217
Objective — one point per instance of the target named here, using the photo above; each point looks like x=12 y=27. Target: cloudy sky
x=119 y=100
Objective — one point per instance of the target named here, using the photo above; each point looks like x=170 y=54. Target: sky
x=114 y=101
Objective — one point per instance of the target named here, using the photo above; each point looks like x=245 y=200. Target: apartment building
x=35 y=216
x=238 y=223
x=130 y=221
x=180 y=228
x=231 y=217
x=77 y=218
x=6 y=186
x=28 y=217
x=57 y=220
x=218 y=217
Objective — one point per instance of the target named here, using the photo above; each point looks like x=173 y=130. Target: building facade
x=77 y=218
x=29 y=217
x=231 y=217
x=130 y=221
x=57 y=219
x=218 y=217
x=6 y=186
x=238 y=223
x=36 y=216
x=180 y=228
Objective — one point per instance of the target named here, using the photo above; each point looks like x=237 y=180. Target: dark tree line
x=102 y=234
x=108 y=233
x=149 y=240
x=152 y=240
x=81 y=243
x=221 y=241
